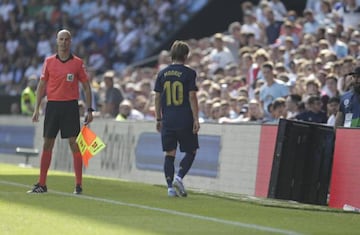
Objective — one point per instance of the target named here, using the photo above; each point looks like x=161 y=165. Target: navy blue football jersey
x=174 y=83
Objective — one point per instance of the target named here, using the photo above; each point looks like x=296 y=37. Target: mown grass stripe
x=167 y=211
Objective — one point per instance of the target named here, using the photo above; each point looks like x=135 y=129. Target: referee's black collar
x=64 y=61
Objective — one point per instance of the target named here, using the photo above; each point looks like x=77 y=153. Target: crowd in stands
x=272 y=64
x=108 y=34
x=278 y=64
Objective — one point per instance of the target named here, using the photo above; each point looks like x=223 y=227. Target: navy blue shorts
x=63 y=116
x=188 y=141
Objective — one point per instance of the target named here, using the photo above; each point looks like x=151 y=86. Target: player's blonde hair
x=179 y=51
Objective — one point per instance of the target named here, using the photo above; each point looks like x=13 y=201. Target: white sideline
x=167 y=211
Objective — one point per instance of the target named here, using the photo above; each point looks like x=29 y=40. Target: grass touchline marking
x=194 y=216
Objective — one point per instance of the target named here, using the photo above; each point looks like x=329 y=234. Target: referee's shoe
x=38 y=189
x=78 y=189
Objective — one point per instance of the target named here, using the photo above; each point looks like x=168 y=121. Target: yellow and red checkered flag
x=89 y=144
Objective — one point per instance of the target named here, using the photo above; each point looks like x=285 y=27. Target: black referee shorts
x=63 y=116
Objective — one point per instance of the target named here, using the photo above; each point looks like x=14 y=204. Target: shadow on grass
x=60 y=200
x=157 y=221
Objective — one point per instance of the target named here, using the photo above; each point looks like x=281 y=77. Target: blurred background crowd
x=272 y=63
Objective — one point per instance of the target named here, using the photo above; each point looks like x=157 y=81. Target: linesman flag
x=89 y=144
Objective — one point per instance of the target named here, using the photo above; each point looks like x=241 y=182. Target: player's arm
x=88 y=100
x=40 y=92
x=195 y=110
x=158 y=110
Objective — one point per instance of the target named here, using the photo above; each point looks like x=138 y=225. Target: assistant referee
x=59 y=81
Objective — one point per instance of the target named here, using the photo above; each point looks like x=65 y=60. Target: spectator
x=28 y=97
x=214 y=91
x=34 y=68
x=330 y=89
x=348 y=114
x=42 y=25
x=292 y=106
x=260 y=13
x=233 y=111
x=353 y=48
x=250 y=69
x=68 y=7
x=313 y=112
x=127 y=112
x=43 y=47
x=312 y=87
x=6 y=77
x=215 y=112
x=335 y=45
x=142 y=103
x=6 y=8
x=250 y=26
x=314 y=5
x=27 y=41
x=349 y=12
x=12 y=43
x=163 y=59
x=326 y=16
x=207 y=111
x=279 y=9
x=311 y=24
x=261 y=56
x=273 y=28
x=279 y=109
x=289 y=32
x=145 y=86
x=233 y=41
x=332 y=109
x=255 y=113
x=202 y=107
x=241 y=111
x=225 y=108
x=113 y=96
x=272 y=89
x=96 y=59
x=220 y=56
x=126 y=42
x=94 y=93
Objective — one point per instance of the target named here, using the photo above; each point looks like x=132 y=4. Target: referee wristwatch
x=90 y=110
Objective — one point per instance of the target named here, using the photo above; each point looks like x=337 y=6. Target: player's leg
x=186 y=164
x=169 y=145
x=189 y=144
x=51 y=128
x=46 y=159
x=78 y=164
x=169 y=171
x=70 y=128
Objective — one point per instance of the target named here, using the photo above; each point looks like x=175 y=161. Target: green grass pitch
x=113 y=206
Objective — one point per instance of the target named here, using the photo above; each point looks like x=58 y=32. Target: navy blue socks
x=169 y=170
x=185 y=164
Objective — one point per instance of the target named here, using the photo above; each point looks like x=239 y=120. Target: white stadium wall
x=232 y=158
x=226 y=161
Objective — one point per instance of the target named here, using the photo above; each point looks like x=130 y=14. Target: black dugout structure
x=302 y=163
